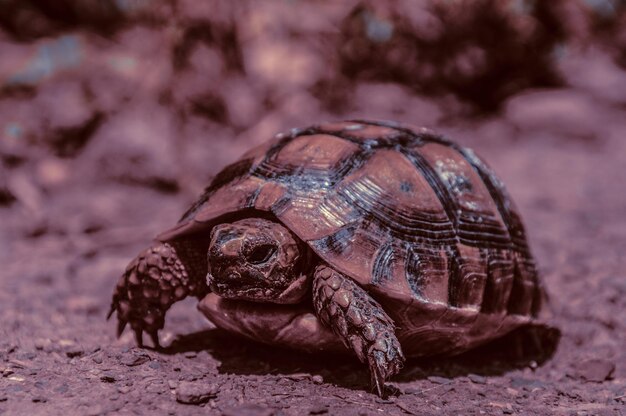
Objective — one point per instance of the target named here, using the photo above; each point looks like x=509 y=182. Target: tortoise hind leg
x=151 y=284
x=360 y=322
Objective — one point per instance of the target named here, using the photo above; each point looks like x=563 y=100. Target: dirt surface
x=112 y=144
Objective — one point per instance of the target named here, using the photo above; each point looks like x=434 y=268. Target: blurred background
x=162 y=94
x=115 y=114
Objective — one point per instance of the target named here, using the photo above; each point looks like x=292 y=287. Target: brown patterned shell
x=420 y=222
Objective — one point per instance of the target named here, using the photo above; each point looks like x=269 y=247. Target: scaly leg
x=152 y=282
x=360 y=322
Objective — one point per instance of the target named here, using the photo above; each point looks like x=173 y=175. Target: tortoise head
x=257 y=260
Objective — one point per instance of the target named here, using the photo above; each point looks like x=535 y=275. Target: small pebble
x=475 y=378
x=595 y=370
x=412 y=390
x=196 y=392
x=318 y=410
x=133 y=360
x=317 y=379
x=74 y=352
x=385 y=401
x=154 y=388
x=63 y=388
x=16 y=388
x=107 y=378
x=438 y=380
x=28 y=355
x=527 y=384
x=41 y=343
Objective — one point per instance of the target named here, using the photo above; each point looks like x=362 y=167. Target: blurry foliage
x=30 y=19
x=609 y=23
x=482 y=51
x=478 y=49
x=185 y=84
x=222 y=36
x=68 y=141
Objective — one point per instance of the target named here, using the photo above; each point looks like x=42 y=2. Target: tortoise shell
x=420 y=222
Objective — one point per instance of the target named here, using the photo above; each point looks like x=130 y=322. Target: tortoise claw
x=360 y=322
x=382 y=366
x=376 y=374
x=154 y=336
x=148 y=324
x=385 y=359
x=138 y=337
x=378 y=371
x=121 y=325
x=111 y=311
x=152 y=282
x=138 y=331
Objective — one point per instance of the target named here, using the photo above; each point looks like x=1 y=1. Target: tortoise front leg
x=151 y=284
x=360 y=322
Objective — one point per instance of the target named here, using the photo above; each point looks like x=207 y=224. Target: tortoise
x=374 y=236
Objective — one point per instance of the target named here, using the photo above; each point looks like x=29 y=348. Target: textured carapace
x=420 y=222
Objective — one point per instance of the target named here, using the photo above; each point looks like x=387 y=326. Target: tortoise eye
x=261 y=254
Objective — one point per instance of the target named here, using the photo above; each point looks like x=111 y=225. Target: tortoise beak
x=231 y=278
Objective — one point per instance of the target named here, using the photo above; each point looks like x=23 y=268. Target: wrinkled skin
x=257 y=260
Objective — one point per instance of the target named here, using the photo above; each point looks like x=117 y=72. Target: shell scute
x=351 y=250
x=376 y=192
x=467 y=285
x=420 y=221
x=475 y=215
x=314 y=160
x=237 y=196
x=269 y=195
x=500 y=274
